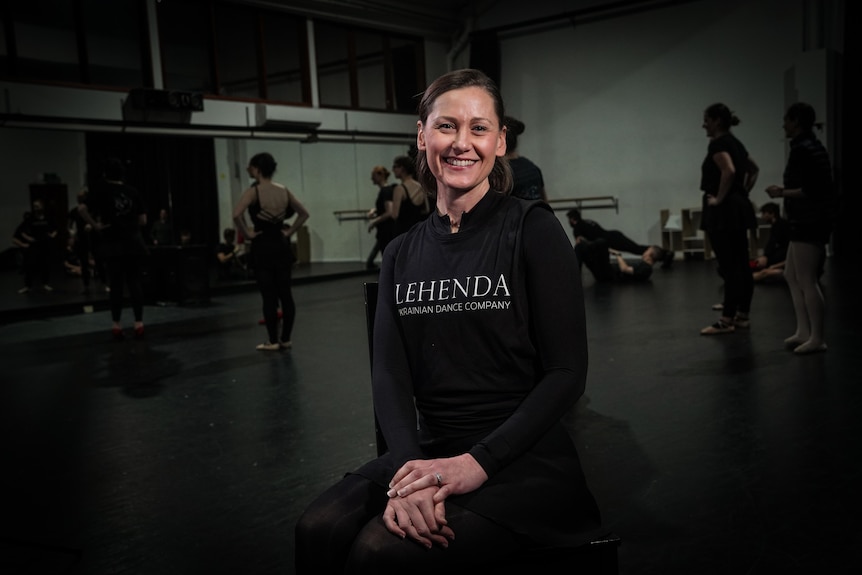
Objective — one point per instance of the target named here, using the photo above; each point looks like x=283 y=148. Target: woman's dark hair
x=722 y=113
x=514 y=128
x=263 y=162
x=405 y=163
x=803 y=114
x=500 y=177
x=114 y=169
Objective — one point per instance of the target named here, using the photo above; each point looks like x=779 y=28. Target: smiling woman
x=460 y=140
x=479 y=351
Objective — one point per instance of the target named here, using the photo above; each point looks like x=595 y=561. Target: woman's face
x=253 y=172
x=462 y=137
x=711 y=125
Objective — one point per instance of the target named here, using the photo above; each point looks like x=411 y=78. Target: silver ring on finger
x=439 y=479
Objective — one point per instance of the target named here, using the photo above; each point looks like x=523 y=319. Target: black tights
x=731 y=252
x=343 y=532
x=273 y=280
x=126 y=271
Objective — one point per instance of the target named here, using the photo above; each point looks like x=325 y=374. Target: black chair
x=597 y=557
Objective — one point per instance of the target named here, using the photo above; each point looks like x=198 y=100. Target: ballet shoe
x=268 y=347
x=139 y=332
x=718 y=328
x=807 y=348
x=285 y=344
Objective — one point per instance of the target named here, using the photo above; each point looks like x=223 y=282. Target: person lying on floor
x=596 y=255
x=590 y=231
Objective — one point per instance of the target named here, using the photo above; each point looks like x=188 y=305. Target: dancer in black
x=770 y=265
x=86 y=246
x=809 y=199
x=116 y=210
x=270 y=205
x=527 y=180
x=230 y=259
x=585 y=231
x=36 y=236
x=727 y=176
x=596 y=255
x=409 y=201
x=381 y=215
x=479 y=349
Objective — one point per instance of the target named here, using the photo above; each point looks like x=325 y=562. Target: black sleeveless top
x=267 y=225
x=409 y=214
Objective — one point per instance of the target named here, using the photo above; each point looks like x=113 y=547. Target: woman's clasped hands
x=417 y=493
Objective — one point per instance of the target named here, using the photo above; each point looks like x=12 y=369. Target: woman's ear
x=420 y=136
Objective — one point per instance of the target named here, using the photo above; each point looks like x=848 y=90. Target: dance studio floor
x=189 y=452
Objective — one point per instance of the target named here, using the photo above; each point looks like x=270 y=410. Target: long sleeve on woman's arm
x=558 y=328
x=391 y=380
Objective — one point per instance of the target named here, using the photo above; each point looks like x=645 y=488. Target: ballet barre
x=590 y=203
x=347 y=215
x=557 y=204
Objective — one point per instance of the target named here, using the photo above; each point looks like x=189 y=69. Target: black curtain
x=172 y=172
x=404 y=72
x=846 y=237
x=485 y=54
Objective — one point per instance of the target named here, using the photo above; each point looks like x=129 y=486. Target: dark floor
x=171 y=287
x=190 y=452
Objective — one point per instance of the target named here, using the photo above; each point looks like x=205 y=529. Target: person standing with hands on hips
x=480 y=349
x=270 y=205
x=809 y=201
x=727 y=175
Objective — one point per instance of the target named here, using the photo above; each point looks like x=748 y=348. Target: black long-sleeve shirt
x=808 y=168
x=480 y=347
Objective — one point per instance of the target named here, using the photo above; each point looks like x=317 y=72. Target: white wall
x=615 y=107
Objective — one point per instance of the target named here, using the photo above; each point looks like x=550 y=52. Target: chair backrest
x=370 y=310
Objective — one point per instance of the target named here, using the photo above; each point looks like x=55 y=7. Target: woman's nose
x=462 y=140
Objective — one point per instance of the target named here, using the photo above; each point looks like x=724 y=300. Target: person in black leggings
x=269 y=206
x=116 y=210
x=727 y=175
